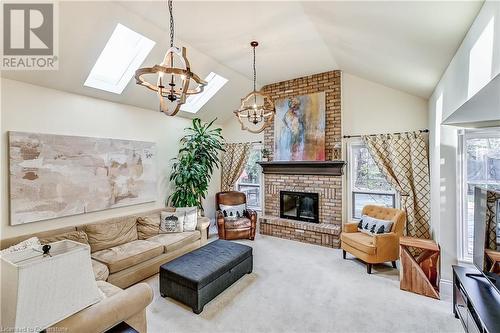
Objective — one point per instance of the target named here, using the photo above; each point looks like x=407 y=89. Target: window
x=123 y=54
x=367 y=186
x=250 y=179
x=195 y=102
x=479 y=165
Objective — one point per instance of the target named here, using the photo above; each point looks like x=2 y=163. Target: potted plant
x=193 y=167
x=265 y=155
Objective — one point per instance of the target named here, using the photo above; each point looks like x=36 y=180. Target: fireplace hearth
x=300 y=206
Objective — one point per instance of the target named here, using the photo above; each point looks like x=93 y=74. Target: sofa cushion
x=129 y=254
x=106 y=234
x=77 y=236
x=101 y=271
x=148 y=226
x=108 y=289
x=359 y=241
x=238 y=223
x=175 y=241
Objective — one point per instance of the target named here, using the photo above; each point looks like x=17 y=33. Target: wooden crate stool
x=419 y=274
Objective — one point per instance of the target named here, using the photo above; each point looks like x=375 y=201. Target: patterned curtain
x=403 y=160
x=234 y=160
x=491 y=219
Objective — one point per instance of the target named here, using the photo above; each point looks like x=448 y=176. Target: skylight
x=123 y=54
x=195 y=102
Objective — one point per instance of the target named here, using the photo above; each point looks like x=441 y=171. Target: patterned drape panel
x=234 y=160
x=491 y=220
x=403 y=160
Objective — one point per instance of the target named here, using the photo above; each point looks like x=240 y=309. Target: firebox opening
x=299 y=206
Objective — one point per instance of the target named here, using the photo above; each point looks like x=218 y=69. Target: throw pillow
x=77 y=236
x=29 y=243
x=360 y=225
x=171 y=222
x=375 y=226
x=384 y=226
x=369 y=224
x=233 y=211
x=148 y=226
x=191 y=218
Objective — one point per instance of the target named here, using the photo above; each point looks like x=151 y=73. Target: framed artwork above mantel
x=299 y=128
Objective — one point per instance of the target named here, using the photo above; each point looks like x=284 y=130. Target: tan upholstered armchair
x=378 y=248
x=241 y=228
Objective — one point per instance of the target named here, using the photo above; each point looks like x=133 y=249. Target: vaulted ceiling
x=403 y=45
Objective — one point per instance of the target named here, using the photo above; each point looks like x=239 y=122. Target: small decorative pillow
x=29 y=243
x=383 y=226
x=360 y=225
x=171 y=222
x=191 y=217
x=233 y=212
x=375 y=226
x=368 y=224
x=148 y=226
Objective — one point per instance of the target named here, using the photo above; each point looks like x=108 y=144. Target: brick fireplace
x=328 y=186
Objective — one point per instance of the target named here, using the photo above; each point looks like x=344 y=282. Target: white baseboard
x=446 y=290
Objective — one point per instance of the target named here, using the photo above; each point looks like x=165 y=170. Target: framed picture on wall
x=299 y=128
x=59 y=175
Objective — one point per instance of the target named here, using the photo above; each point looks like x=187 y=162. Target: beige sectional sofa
x=124 y=251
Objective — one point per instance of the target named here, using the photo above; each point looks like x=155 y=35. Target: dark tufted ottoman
x=197 y=277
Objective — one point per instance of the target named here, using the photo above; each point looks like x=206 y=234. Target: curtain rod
x=358 y=136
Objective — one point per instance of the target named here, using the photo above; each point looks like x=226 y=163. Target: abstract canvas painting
x=57 y=175
x=299 y=128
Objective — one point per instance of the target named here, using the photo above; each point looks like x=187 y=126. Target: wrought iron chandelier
x=174 y=76
x=256 y=110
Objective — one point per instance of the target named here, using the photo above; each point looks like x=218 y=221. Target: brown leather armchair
x=241 y=228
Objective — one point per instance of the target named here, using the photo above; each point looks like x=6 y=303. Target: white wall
x=232 y=132
x=32 y=108
x=370 y=108
x=450 y=93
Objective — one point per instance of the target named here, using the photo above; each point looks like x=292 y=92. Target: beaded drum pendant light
x=174 y=76
x=256 y=110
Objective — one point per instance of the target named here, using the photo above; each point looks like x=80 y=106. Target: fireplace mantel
x=322 y=168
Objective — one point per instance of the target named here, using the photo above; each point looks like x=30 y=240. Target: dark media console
x=475 y=301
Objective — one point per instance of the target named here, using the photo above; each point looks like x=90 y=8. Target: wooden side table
x=419 y=274
x=494 y=258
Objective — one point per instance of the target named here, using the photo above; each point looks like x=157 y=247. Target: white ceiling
x=403 y=45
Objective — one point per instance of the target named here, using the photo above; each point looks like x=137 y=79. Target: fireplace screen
x=299 y=206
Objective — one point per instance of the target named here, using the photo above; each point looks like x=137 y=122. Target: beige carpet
x=298 y=287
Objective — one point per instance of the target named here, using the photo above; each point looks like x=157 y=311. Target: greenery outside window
x=479 y=164
x=366 y=184
x=250 y=179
